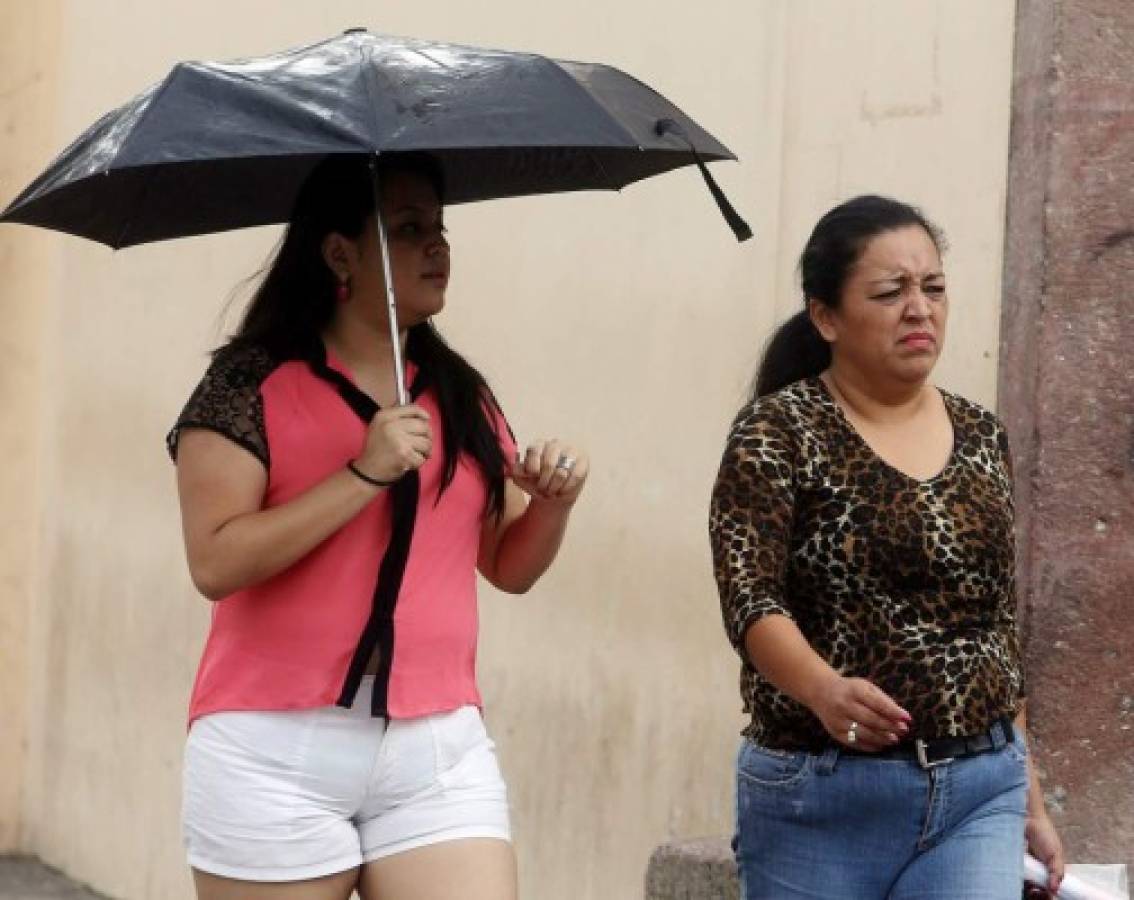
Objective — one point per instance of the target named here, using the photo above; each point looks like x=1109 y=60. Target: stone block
x=693 y=870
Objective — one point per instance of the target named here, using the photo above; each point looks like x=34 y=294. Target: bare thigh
x=469 y=869
x=339 y=886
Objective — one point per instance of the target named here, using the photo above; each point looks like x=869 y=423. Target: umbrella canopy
x=217 y=146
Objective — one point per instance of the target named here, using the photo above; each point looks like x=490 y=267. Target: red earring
x=342 y=290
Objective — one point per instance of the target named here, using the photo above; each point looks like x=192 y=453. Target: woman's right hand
x=399 y=440
x=846 y=705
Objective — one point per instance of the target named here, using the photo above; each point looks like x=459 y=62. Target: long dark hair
x=295 y=303
x=796 y=350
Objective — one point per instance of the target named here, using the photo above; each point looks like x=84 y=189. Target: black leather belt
x=939 y=751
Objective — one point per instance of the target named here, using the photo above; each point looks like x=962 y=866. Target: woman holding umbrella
x=862 y=532
x=336 y=739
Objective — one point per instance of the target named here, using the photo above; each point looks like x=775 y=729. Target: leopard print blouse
x=908 y=583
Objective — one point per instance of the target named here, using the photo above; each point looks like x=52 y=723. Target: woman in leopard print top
x=862 y=534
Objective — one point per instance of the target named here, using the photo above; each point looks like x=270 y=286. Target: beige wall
x=628 y=322
x=28 y=268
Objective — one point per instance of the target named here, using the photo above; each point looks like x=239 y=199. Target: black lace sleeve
x=228 y=401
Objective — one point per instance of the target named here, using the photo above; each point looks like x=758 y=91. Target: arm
x=519 y=547
x=781 y=653
x=1043 y=840
x=232 y=542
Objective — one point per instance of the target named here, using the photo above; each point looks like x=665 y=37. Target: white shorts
x=284 y=796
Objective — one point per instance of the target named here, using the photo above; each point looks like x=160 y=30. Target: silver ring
x=852 y=733
x=566 y=463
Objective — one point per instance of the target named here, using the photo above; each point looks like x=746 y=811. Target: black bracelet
x=372 y=481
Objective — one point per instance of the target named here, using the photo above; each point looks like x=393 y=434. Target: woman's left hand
x=551 y=472
x=1044 y=845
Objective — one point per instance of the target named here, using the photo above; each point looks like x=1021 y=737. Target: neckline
x=828 y=399
x=337 y=364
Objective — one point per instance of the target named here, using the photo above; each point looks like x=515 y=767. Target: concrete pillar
x=1067 y=397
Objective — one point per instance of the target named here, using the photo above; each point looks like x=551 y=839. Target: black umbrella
x=217 y=146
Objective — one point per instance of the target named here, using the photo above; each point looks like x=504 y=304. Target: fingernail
x=893 y=738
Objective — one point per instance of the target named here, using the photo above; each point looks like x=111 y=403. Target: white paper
x=1082 y=882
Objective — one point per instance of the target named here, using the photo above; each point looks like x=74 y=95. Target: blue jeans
x=836 y=826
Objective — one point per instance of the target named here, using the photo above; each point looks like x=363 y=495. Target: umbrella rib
x=435 y=62
x=728 y=153
x=366 y=73
x=229 y=64
x=140 y=197
x=610 y=182
x=169 y=79
x=564 y=75
x=144 y=189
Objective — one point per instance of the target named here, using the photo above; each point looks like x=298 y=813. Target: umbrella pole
x=388 y=280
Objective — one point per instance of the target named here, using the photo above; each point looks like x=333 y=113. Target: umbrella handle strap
x=739 y=227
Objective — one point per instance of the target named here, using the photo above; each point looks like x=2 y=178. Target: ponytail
x=795 y=351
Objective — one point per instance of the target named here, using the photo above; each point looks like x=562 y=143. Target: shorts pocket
x=238 y=781
x=456 y=735
x=275 y=740
x=766 y=768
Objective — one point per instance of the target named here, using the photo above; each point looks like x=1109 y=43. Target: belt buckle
x=923 y=761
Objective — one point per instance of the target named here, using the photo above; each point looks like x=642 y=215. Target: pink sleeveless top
x=288 y=642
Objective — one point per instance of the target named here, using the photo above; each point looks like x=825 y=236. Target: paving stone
x=25 y=878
